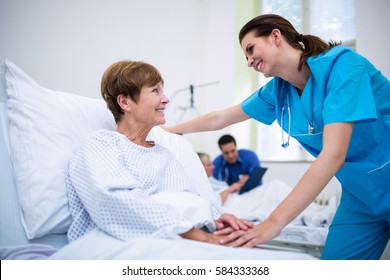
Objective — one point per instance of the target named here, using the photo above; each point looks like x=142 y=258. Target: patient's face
x=229 y=152
x=149 y=109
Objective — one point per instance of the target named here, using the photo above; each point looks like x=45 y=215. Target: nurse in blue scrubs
x=337 y=105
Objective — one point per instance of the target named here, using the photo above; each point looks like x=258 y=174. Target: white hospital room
x=53 y=56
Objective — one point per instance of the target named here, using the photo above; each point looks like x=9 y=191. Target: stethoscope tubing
x=285 y=144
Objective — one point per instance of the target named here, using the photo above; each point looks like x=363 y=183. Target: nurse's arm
x=211 y=121
x=336 y=138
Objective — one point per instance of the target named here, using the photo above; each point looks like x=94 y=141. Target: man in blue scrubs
x=234 y=165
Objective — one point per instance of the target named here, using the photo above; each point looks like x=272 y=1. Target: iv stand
x=191 y=106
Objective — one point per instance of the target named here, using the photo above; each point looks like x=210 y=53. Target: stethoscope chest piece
x=310 y=128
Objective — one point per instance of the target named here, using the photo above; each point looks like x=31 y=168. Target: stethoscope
x=226 y=174
x=285 y=144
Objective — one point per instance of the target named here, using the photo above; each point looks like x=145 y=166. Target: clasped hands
x=235 y=232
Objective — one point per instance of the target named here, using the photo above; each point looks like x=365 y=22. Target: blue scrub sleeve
x=261 y=105
x=349 y=93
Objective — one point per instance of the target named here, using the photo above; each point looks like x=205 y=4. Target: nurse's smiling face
x=260 y=52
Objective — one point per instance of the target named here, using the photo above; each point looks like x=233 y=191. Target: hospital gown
x=111 y=182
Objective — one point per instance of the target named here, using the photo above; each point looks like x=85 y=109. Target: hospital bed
x=39 y=130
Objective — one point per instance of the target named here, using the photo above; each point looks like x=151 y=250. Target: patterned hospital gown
x=109 y=184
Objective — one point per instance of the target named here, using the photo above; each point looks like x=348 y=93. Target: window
x=329 y=20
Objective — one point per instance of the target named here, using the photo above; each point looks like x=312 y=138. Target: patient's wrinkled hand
x=230 y=221
x=200 y=235
x=216 y=239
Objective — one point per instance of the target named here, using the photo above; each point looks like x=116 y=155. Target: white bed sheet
x=98 y=245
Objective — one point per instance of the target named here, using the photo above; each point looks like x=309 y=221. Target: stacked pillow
x=44 y=127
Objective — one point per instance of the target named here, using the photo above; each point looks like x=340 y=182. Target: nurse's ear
x=276 y=37
x=124 y=102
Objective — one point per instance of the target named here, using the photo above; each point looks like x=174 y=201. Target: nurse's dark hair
x=310 y=45
x=127 y=77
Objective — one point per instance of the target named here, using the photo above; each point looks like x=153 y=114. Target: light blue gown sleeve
x=104 y=194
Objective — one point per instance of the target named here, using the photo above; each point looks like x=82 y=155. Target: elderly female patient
x=113 y=178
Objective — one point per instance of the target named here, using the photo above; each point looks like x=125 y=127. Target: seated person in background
x=115 y=179
x=234 y=166
x=220 y=187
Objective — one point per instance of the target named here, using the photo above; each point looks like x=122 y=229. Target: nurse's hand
x=228 y=223
x=260 y=233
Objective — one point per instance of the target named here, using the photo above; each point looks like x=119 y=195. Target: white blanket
x=98 y=245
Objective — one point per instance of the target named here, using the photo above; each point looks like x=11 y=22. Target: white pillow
x=45 y=126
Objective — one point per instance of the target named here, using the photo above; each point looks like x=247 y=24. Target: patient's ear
x=123 y=102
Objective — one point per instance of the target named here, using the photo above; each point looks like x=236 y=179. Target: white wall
x=372 y=34
x=66 y=45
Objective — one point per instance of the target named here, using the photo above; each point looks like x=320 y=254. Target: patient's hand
x=216 y=239
x=229 y=221
x=261 y=233
x=200 y=235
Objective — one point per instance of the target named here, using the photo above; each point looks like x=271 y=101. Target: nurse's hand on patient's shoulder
x=260 y=233
x=228 y=223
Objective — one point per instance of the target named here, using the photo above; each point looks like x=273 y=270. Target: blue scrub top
x=246 y=162
x=343 y=87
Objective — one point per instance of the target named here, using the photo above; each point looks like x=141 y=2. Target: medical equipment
x=287 y=143
x=192 y=92
x=310 y=120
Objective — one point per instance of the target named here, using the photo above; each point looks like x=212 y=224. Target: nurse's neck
x=300 y=80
